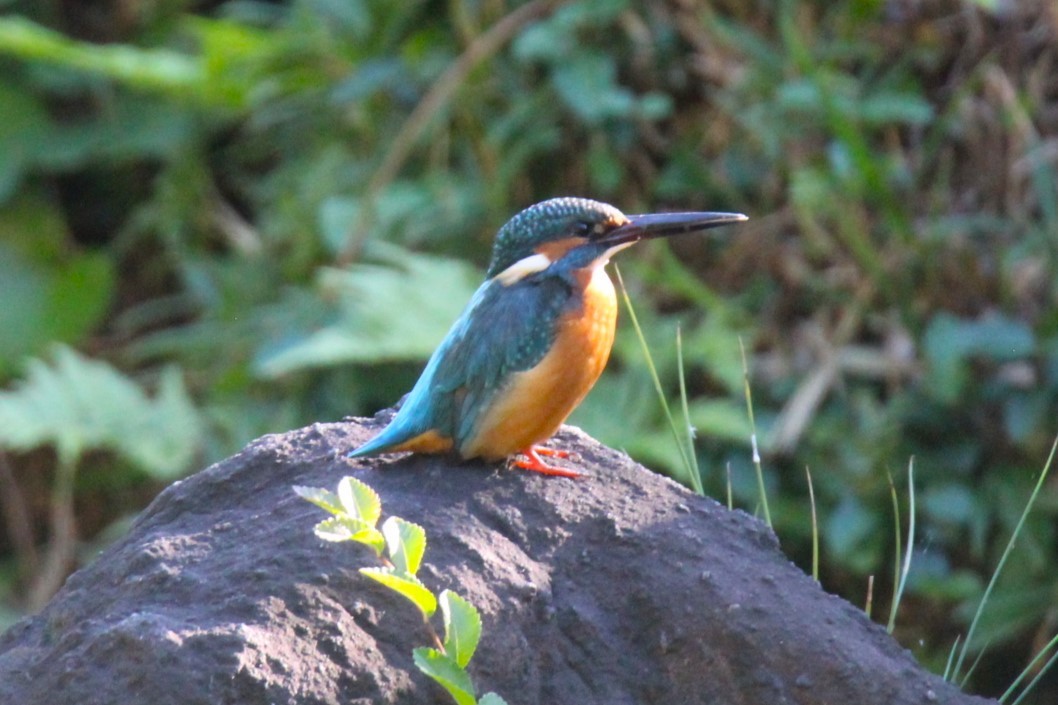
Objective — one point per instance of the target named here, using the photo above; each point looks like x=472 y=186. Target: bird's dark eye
x=582 y=229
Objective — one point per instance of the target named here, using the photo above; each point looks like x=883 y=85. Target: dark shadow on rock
x=619 y=588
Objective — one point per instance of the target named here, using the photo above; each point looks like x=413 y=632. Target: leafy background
x=224 y=219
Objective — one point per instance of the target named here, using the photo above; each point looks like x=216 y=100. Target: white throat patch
x=605 y=259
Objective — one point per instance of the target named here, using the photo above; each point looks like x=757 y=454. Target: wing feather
x=505 y=329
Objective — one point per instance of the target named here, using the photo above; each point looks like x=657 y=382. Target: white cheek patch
x=523 y=268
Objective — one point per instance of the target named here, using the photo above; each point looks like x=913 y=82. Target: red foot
x=551 y=452
x=533 y=462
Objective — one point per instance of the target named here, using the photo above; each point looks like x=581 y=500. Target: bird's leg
x=552 y=452
x=533 y=462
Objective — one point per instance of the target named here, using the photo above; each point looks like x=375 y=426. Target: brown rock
x=618 y=588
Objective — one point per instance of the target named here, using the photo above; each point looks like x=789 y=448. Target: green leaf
x=77 y=404
x=356 y=510
x=347 y=528
x=720 y=418
x=234 y=56
x=134 y=127
x=462 y=627
x=851 y=534
x=155 y=69
x=950 y=342
x=385 y=313
x=336 y=217
x=715 y=343
x=406 y=543
x=950 y=503
x=23 y=290
x=607 y=172
x=995 y=336
x=47 y=293
x=949 y=586
x=1025 y=414
x=81 y=292
x=392 y=212
x=324 y=499
x=446 y=672
x=491 y=699
x=24 y=133
x=407 y=585
x=887 y=107
x=360 y=501
x=587 y=83
x=555 y=39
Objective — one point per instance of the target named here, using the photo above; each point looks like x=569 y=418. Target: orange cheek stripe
x=557 y=249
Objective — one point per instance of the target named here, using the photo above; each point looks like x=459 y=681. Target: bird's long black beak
x=651 y=225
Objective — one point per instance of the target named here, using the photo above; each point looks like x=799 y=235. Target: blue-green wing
x=510 y=329
x=504 y=329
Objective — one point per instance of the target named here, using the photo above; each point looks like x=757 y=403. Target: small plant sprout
x=400 y=546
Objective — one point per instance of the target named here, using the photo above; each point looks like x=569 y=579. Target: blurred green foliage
x=274 y=210
x=77 y=404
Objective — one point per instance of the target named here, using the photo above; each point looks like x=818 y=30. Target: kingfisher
x=534 y=338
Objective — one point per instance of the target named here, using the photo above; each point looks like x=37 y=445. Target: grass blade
x=973 y=666
x=1032 y=684
x=730 y=494
x=693 y=470
x=753 y=437
x=902 y=569
x=815 y=526
x=1003 y=560
x=690 y=469
x=951 y=658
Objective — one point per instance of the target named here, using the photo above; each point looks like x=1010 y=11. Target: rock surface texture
x=621 y=587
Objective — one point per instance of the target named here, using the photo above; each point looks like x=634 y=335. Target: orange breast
x=538 y=400
x=429 y=442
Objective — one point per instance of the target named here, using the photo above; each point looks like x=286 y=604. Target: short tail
x=404 y=435
x=387 y=440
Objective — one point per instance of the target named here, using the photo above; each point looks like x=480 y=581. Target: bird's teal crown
x=554 y=219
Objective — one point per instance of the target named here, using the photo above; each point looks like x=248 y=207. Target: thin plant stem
x=1028 y=669
x=62 y=553
x=1046 y=667
x=753 y=437
x=973 y=666
x=903 y=568
x=654 y=375
x=870 y=596
x=815 y=526
x=1003 y=560
x=897 y=539
x=433 y=635
x=693 y=469
x=951 y=657
x=730 y=497
x=19 y=526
